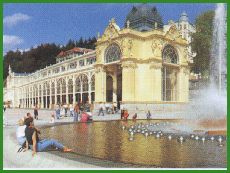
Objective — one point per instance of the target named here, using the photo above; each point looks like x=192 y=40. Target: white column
x=67 y=92
x=61 y=93
x=42 y=104
x=38 y=96
x=33 y=97
x=55 y=94
x=25 y=98
x=46 y=98
x=74 y=98
x=29 y=105
x=50 y=95
x=89 y=88
x=115 y=87
x=81 y=90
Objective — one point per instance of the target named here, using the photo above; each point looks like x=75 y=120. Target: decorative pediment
x=111 y=31
x=156 y=46
x=173 y=33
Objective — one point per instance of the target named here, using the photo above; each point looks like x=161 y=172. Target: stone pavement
x=43 y=160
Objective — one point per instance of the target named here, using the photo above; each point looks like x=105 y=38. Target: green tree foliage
x=41 y=56
x=202 y=41
x=70 y=45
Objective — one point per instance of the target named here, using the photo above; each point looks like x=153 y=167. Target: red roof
x=75 y=49
x=61 y=53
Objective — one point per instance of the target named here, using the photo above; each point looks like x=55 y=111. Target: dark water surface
x=107 y=141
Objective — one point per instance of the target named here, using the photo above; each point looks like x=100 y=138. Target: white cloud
x=11 y=41
x=15 y=19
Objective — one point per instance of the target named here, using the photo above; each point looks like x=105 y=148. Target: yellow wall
x=141 y=63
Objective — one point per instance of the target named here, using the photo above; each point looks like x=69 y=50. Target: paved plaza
x=42 y=160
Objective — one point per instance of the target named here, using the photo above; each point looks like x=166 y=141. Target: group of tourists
x=79 y=112
x=112 y=108
x=28 y=137
x=109 y=108
x=125 y=115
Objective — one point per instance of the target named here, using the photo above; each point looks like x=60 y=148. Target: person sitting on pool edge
x=35 y=143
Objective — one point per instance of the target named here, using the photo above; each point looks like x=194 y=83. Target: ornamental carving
x=126 y=47
x=99 y=69
x=173 y=33
x=157 y=47
x=130 y=46
x=98 y=53
x=128 y=64
x=111 y=31
x=122 y=47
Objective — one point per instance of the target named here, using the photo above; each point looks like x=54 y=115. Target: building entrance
x=114 y=84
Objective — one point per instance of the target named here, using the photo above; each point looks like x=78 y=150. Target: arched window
x=63 y=86
x=112 y=53
x=34 y=90
x=44 y=89
x=93 y=83
x=170 y=55
x=70 y=86
x=40 y=90
x=48 y=88
x=53 y=88
x=84 y=81
x=169 y=74
x=59 y=86
x=77 y=85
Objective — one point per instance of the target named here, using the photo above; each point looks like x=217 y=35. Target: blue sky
x=27 y=25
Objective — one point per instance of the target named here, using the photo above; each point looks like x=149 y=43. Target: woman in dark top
x=35 y=143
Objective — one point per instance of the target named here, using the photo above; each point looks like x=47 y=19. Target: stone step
x=106 y=117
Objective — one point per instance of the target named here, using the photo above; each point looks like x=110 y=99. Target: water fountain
x=209 y=109
x=218 y=58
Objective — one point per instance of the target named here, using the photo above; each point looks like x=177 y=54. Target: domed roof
x=184 y=17
x=144 y=18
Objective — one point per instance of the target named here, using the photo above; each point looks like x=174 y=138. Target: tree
x=202 y=42
x=70 y=45
x=41 y=56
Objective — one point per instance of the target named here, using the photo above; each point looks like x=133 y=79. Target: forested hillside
x=41 y=56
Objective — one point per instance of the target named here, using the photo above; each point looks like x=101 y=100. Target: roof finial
x=112 y=20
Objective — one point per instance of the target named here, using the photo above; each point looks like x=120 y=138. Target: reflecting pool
x=110 y=141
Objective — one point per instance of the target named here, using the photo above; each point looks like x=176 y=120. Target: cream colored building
x=137 y=67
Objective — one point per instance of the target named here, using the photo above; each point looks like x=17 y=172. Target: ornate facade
x=130 y=66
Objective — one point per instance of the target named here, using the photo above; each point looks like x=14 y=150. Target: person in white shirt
x=20 y=132
x=71 y=110
x=101 y=109
x=62 y=111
